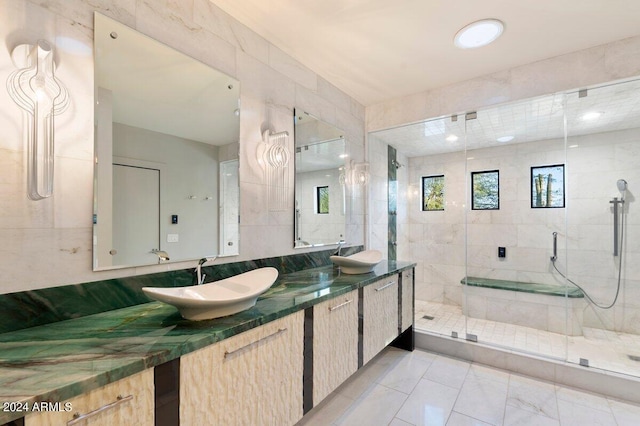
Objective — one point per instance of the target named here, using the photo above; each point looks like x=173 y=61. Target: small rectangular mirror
x=167 y=142
x=320 y=193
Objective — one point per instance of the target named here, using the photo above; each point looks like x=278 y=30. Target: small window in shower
x=433 y=193
x=485 y=190
x=547 y=186
x=322 y=199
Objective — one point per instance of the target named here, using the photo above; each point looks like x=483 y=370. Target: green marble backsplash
x=38 y=307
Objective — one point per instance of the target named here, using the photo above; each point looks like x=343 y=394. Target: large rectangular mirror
x=320 y=197
x=167 y=142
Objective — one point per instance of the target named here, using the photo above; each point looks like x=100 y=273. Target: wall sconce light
x=275 y=157
x=35 y=89
x=276 y=154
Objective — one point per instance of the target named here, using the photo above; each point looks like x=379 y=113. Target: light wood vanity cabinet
x=407 y=300
x=335 y=343
x=380 y=316
x=263 y=376
x=253 y=378
x=128 y=401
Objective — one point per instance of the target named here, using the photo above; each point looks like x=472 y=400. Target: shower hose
x=586 y=295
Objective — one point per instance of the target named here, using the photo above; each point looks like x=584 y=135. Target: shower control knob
x=113 y=252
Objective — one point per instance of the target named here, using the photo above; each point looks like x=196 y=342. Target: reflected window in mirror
x=322 y=199
x=320 y=192
x=167 y=144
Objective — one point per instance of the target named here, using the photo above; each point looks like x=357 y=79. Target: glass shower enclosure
x=521 y=220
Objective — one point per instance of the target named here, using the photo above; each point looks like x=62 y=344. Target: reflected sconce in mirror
x=275 y=158
x=357 y=174
x=35 y=89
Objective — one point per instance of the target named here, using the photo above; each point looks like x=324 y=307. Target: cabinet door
x=380 y=316
x=407 y=299
x=335 y=343
x=126 y=402
x=254 y=378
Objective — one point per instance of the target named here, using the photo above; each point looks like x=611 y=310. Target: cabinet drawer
x=254 y=378
x=126 y=402
x=335 y=343
x=380 y=316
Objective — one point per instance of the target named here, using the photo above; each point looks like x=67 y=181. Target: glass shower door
x=435 y=210
x=514 y=204
x=603 y=238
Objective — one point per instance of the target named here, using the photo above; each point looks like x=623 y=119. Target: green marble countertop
x=548 y=289
x=58 y=361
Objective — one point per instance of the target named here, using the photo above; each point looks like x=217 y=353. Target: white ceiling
x=376 y=50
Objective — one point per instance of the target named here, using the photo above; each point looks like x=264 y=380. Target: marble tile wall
x=402 y=219
x=437 y=239
x=618 y=60
x=600 y=64
x=48 y=243
x=378 y=217
x=32 y=308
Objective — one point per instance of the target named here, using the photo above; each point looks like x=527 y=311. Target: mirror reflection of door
x=186 y=138
x=229 y=207
x=136 y=214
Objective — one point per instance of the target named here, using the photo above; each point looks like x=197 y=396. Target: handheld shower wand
x=622 y=187
x=618 y=235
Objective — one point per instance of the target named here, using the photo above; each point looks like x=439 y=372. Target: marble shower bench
x=540 y=306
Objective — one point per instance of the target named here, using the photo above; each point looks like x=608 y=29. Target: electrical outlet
x=172 y=238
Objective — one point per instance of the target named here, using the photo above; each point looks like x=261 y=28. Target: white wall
x=48 y=243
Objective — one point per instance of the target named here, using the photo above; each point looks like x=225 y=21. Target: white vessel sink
x=359 y=263
x=218 y=298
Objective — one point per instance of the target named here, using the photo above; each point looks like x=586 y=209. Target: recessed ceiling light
x=507 y=138
x=451 y=138
x=573 y=146
x=592 y=115
x=478 y=34
x=343 y=155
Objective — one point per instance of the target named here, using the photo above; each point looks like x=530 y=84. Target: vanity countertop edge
x=58 y=361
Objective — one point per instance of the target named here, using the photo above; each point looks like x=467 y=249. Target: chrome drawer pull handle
x=245 y=347
x=77 y=417
x=389 y=284
x=333 y=308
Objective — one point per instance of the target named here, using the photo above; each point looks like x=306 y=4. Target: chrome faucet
x=199 y=275
x=163 y=256
x=341 y=243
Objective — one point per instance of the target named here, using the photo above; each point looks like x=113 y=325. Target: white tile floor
x=421 y=388
x=604 y=349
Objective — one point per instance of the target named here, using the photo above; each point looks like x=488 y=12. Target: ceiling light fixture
x=504 y=139
x=478 y=34
x=451 y=138
x=592 y=115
